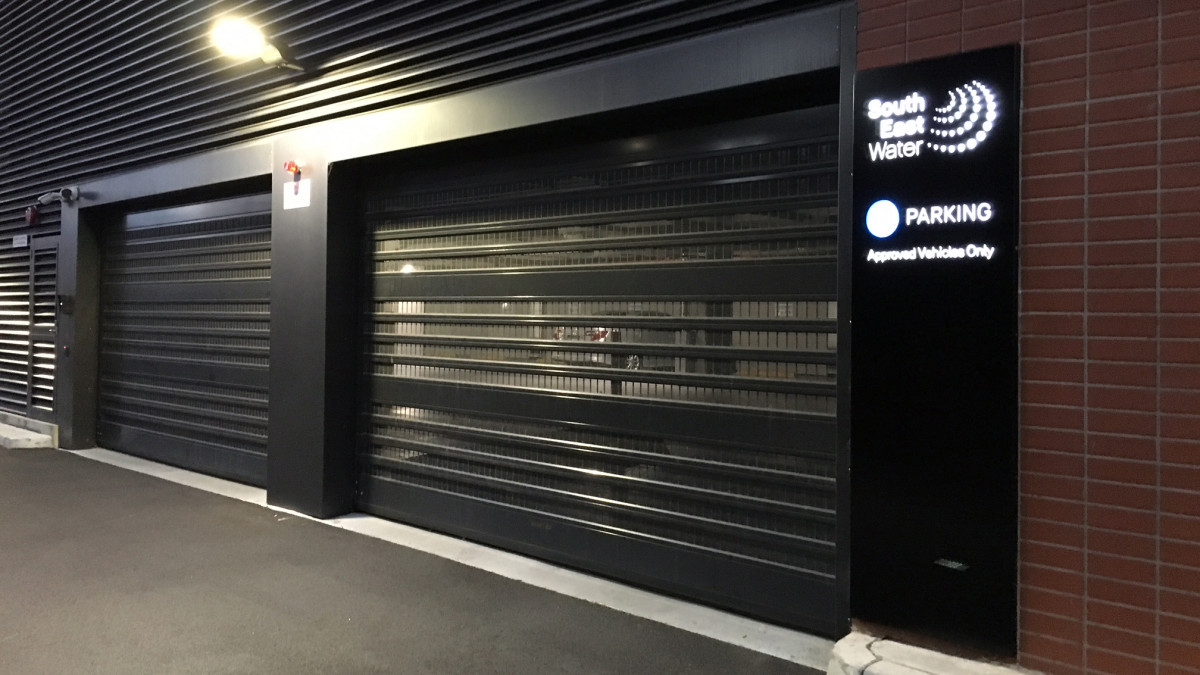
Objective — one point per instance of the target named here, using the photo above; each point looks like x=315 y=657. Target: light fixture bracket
x=277 y=53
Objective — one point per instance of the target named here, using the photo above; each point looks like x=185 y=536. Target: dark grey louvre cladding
x=185 y=337
x=619 y=355
x=91 y=87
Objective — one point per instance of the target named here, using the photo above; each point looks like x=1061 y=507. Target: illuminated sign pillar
x=934 y=348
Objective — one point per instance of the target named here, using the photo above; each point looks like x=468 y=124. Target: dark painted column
x=848 y=54
x=77 y=341
x=310 y=448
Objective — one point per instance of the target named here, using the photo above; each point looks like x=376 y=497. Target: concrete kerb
x=862 y=654
x=29 y=424
x=16 y=438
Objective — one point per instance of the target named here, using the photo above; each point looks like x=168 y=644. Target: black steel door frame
x=228 y=173
x=848 y=57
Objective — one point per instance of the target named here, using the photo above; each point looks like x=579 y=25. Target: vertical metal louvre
x=27 y=325
x=619 y=356
x=43 y=316
x=185 y=333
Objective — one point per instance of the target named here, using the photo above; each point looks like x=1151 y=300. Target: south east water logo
x=904 y=126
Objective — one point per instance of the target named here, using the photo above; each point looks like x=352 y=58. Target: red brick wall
x=1110 y=315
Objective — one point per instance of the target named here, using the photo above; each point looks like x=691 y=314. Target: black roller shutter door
x=619 y=356
x=185 y=334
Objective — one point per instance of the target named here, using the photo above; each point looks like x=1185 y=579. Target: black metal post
x=848 y=53
x=77 y=341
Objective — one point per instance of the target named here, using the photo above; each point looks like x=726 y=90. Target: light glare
x=238 y=38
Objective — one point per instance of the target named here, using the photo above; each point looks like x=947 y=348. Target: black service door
x=185 y=334
x=618 y=356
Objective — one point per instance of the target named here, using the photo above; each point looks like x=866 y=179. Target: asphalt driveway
x=103 y=570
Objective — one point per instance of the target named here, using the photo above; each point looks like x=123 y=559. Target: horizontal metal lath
x=88 y=88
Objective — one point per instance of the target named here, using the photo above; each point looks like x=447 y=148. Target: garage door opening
x=617 y=355
x=185 y=336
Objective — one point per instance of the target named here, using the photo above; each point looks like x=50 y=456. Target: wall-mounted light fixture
x=240 y=39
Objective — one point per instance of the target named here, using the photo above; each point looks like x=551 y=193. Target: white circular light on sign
x=883 y=218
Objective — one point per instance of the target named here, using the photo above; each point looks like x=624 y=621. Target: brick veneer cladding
x=1110 y=315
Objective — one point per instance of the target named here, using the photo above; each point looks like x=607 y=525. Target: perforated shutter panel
x=185 y=334
x=619 y=356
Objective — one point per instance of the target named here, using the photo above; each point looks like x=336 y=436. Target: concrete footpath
x=103 y=570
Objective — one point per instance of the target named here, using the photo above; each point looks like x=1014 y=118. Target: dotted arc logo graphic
x=966 y=119
x=883 y=217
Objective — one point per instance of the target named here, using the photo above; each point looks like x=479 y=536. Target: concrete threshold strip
x=862 y=654
x=855 y=654
x=807 y=650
